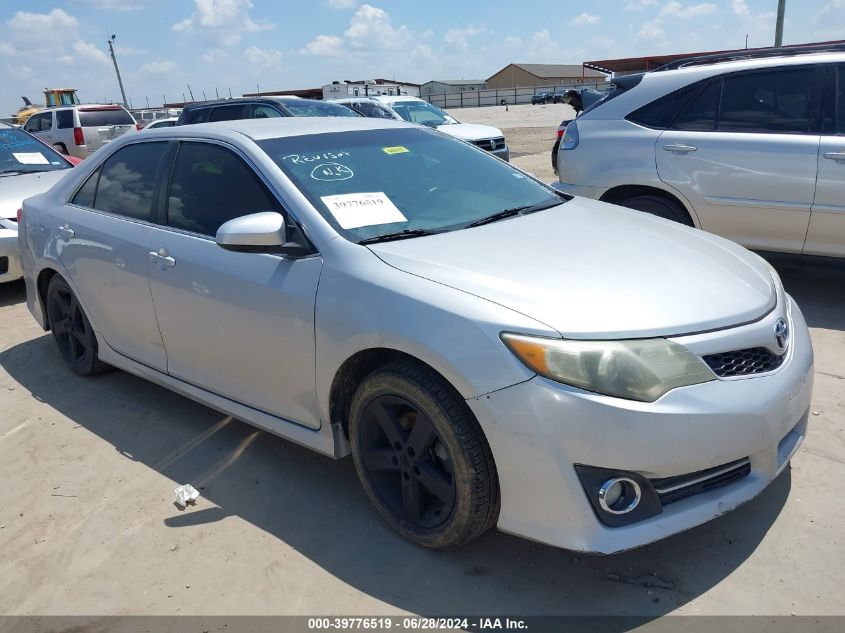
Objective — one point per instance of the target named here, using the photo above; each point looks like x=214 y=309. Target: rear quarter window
x=64 y=119
x=659 y=113
x=104 y=118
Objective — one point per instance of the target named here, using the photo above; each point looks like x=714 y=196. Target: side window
x=840 y=99
x=46 y=122
x=64 y=119
x=228 y=113
x=770 y=101
x=660 y=112
x=85 y=196
x=210 y=185
x=264 y=112
x=200 y=116
x=32 y=124
x=127 y=181
x=700 y=113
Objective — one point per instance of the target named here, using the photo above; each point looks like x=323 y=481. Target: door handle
x=679 y=147
x=835 y=155
x=65 y=232
x=163 y=258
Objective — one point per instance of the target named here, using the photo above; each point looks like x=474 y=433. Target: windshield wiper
x=509 y=213
x=18 y=172
x=398 y=235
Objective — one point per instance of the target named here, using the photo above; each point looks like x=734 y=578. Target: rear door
x=104 y=246
x=744 y=151
x=826 y=235
x=240 y=325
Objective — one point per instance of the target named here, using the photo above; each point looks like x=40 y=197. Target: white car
x=162 y=123
x=416 y=110
x=27 y=167
x=750 y=146
x=79 y=130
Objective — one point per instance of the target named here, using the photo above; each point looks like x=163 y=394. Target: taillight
x=20 y=215
x=570 y=137
x=78 y=138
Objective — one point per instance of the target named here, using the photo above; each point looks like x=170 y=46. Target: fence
x=511 y=96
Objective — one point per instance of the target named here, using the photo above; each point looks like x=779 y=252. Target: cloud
x=227 y=20
x=113 y=5
x=584 y=19
x=262 y=57
x=88 y=52
x=343 y=4
x=739 y=7
x=159 y=68
x=459 y=37
x=677 y=10
x=370 y=29
x=652 y=31
x=42 y=26
x=325 y=46
x=214 y=55
x=637 y=5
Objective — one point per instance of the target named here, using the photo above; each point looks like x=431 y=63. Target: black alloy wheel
x=71 y=329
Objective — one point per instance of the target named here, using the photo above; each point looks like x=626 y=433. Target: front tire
x=71 y=330
x=659 y=206
x=422 y=457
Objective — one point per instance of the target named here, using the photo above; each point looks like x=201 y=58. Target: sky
x=239 y=45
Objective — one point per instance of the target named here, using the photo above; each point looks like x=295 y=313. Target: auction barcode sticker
x=352 y=210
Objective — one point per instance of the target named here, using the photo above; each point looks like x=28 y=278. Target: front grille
x=4 y=265
x=491 y=144
x=744 y=362
x=672 y=489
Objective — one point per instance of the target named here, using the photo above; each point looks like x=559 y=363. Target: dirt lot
x=88 y=525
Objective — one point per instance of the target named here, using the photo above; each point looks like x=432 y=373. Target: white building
x=369 y=88
x=440 y=86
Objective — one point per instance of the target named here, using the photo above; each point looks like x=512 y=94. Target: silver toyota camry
x=490 y=351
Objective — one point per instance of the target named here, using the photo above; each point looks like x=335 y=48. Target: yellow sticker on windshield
x=397 y=149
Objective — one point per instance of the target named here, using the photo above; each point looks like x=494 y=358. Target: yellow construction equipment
x=52 y=97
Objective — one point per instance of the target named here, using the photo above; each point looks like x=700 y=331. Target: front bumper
x=503 y=152
x=539 y=430
x=10 y=263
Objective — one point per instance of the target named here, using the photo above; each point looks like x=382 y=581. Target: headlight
x=637 y=369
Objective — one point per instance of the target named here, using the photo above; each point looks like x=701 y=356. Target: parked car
x=416 y=110
x=258 y=108
x=541 y=98
x=160 y=123
x=749 y=147
x=489 y=350
x=27 y=167
x=79 y=130
x=369 y=107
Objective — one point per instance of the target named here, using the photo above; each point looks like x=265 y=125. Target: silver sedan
x=490 y=351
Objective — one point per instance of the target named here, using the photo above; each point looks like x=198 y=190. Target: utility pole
x=779 y=25
x=117 y=70
x=746 y=40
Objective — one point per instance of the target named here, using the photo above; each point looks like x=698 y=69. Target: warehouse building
x=520 y=75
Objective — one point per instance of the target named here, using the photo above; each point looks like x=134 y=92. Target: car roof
x=750 y=63
x=397 y=98
x=261 y=129
x=218 y=102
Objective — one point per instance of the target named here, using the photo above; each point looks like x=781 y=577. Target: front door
x=238 y=324
x=103 y=244
x=744 y=154
x=826 y=235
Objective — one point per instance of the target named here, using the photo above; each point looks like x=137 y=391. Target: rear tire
x=71 y=330
x=60 y=147
x=659 y=206
x=422 y=458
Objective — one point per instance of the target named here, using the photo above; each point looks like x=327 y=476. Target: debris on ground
x=186 y=494
x=646 y=580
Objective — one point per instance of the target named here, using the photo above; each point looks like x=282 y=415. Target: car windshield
x=310 y=107
x=369 y=184
x=421 y=112
x=21 y=153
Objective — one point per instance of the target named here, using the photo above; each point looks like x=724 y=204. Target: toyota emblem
x=781 y=334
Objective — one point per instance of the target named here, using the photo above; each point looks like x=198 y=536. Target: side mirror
x=255 y=232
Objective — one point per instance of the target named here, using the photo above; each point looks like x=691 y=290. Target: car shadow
x=316 y=505
x=816 y=284
x=11 y=293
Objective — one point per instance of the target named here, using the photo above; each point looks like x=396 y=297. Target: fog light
x=619 y=495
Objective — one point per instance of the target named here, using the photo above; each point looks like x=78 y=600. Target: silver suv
x=79 y=130
x=752 y=149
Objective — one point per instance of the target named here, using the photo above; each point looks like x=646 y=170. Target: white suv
x=752 y=149
x=79 y=130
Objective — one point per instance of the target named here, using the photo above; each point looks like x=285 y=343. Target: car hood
x=593 y=270
x=470 y=131
x=14 y=189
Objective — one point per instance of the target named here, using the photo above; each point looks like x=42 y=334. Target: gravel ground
x=88 y=524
